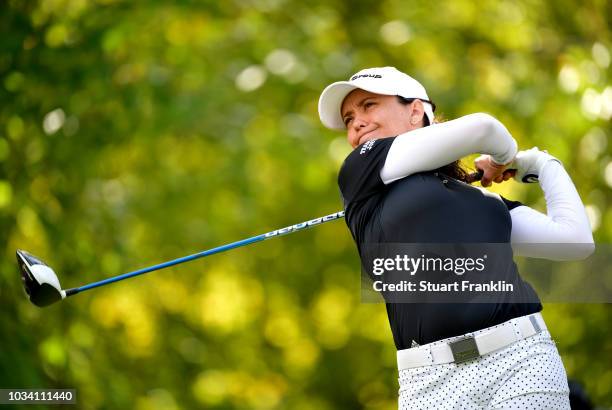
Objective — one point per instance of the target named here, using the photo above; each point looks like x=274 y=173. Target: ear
x=418 y=111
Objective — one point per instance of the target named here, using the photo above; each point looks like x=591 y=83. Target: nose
x=358 y=123
x=353 y=131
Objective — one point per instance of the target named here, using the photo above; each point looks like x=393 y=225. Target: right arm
x=432 y=147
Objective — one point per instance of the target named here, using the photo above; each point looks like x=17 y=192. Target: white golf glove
x=529 y=164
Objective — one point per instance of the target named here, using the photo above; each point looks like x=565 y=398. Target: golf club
x=43 y=287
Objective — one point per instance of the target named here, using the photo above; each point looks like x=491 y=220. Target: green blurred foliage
x=136 y=132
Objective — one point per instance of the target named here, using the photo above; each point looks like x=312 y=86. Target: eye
x=369 y=104
x=347 y=121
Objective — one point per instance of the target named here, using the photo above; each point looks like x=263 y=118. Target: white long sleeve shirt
x=534 y=234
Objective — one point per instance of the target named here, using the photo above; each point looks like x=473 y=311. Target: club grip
x=475 y=176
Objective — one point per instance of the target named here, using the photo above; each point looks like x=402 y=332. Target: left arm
x=538 y=235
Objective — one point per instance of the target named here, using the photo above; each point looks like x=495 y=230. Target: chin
x=367 y=138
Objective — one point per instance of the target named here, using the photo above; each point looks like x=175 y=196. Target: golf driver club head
x=40 y=282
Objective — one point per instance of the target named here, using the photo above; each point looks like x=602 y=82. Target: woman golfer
x=402 y=183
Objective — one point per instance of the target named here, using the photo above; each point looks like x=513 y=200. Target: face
x=370 y=116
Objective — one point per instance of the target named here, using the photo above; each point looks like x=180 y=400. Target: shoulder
x=369 y=153
x=359 y=176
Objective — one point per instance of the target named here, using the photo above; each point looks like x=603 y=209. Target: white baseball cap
x=378 y=80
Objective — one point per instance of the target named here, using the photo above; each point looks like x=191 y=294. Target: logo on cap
x=353 y=78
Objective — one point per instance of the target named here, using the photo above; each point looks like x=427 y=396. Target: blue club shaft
x=218 y=249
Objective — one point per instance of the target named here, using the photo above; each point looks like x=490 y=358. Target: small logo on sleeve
x=367 y=146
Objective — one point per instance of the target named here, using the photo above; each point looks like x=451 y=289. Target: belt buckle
x=464 y=349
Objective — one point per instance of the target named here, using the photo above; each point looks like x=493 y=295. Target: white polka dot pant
x=527 y=374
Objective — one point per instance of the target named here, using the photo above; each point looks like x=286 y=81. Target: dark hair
x=454 y=169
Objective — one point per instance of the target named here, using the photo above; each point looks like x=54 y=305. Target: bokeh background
x=136 y=132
